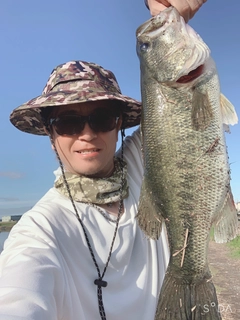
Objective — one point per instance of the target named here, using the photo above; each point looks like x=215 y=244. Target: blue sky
x=38 y=35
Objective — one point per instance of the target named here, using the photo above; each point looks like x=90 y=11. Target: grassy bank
x=234 y=245
x=7 y=226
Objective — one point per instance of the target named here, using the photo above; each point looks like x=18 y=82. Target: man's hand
x=186 y=8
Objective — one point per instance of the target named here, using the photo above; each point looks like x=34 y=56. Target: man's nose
x=87 y=133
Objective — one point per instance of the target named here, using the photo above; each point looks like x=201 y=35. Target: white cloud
x=8 y=199
x=11 y=174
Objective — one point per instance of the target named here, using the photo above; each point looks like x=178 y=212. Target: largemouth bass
x=186 y=172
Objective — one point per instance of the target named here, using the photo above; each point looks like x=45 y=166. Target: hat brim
x=27 y=117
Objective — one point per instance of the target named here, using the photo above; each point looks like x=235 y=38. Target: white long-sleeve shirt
x=46 y=270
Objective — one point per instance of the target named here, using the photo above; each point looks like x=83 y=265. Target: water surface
x=3 y=237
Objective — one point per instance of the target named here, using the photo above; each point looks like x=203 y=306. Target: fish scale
x=186 y=180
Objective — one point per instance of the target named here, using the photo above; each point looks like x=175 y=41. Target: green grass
x=212 y=234
x=234 y=245
x=7 y=226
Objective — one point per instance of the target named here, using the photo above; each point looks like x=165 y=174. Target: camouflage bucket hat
x=74 y=82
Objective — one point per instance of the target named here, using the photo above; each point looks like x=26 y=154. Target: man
x=79 y=253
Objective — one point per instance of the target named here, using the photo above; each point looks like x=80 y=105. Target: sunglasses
x=71 y=124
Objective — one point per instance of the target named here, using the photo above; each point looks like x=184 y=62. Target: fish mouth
x=192 y=75
x=158 y=23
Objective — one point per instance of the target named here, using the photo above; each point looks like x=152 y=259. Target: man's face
x=87 y=153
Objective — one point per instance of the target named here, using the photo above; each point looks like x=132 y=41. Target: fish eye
x=144 y=46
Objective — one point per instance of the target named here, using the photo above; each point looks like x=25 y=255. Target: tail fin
x=183 y=301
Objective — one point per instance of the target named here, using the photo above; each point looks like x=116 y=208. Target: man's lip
x=88 y=150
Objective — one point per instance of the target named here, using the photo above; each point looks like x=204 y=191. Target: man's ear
x=47 y=131
x=119 y=123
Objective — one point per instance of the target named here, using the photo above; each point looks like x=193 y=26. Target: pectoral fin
x=201 y=110
x=148 y=217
